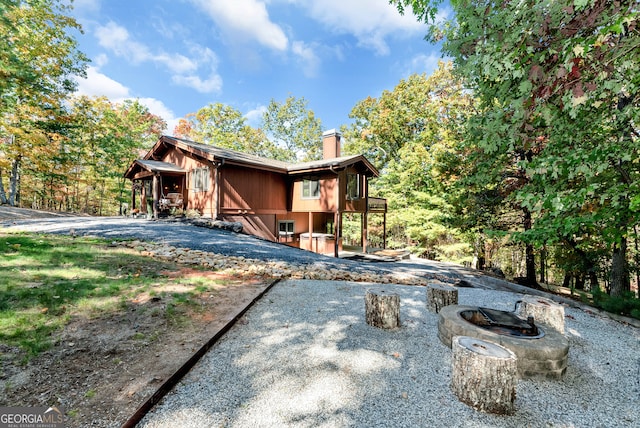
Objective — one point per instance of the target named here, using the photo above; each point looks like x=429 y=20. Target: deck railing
x=377 y=205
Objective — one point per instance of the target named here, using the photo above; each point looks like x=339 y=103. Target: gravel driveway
x=185 y=235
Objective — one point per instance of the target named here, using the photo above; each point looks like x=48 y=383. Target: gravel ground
x=304 y=357
x=185 y=235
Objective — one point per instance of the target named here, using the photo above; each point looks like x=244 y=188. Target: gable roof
x=152 y=166
x=215 y=154
x=324 y=164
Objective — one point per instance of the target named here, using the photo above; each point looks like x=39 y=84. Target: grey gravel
x=182 y=234
x=304 y=356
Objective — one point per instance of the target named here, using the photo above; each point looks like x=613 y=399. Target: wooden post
x=544 y=311
x=337 y=226
x=384 y=230
x=365 y=216
x=439 y=296
x=363 y=232
x=311 y=232
x=483 y=374
x=155 y=191
x=382 y=309
x=133 y=195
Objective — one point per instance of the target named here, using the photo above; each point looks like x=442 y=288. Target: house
x=299 y=204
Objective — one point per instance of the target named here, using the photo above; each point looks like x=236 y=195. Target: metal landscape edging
x=173 y=380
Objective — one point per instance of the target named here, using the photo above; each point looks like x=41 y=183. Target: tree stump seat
x=544 y=311
x=484 y=375
x=439 y=296
x=382 y=309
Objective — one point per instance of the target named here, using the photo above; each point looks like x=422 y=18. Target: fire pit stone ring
x=543 y=356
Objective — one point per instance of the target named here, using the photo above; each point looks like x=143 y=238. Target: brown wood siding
x=199 y=201
x=352 y=205
x=252 y=190
x=326 y=202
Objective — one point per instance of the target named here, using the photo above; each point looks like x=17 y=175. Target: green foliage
x=39 y=60
x=556 y=131
x=75 y=162
x=627 y=304
x=291 y=126
x=38 y=54
x=223 y=126
x=411 y=134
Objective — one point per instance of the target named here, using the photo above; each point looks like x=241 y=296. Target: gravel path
x=304 y=357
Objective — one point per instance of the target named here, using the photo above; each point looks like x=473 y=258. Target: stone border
x=546 y=356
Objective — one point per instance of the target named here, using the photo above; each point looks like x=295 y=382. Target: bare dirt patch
x=101 y=370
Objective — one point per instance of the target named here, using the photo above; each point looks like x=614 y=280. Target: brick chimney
x=331 y=144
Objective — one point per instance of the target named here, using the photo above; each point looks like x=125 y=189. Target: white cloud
x=212 y=84
x=307 y=56
x=86 y=5
x=245 y=20
x=369 y=21
x=254 y=116
x=177 y=63
x=423 y=63
x=184 y=69
x=100 y=60
x=116 y=38
x=98 y=84
x=158 y=108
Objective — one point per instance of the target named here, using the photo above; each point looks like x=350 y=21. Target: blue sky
x=177 y=56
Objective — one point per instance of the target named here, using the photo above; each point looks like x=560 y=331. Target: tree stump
x=439 y=296
x=382 y=309
x=544 y=311
x=484 y=375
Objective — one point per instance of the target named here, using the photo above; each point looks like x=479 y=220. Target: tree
x=39 y=60
x=106 y=138
x=223 y=126
x=292 y=126
x=411 y=134
x=558 y=79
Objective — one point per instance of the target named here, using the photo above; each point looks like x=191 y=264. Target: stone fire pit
x=540 y=352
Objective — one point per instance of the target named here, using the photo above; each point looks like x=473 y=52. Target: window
x=353 y=186
x=310 y=189
x=200 y=179
x=285 y=227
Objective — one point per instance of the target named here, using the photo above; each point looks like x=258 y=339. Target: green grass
x=48 y=279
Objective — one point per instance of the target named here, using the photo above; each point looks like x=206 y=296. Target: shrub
x=627 y=304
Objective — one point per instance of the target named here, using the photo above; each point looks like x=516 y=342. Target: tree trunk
x=637 y=258
x=439 y=296
x=543 y=265
x=382 y=309
x=619 y=270
x=484 y=374
x=566 y=283
x=3 y=194
x=544 y=311
x=14 y=181
x=593 y=281
x=530 y=260
x=480 y=254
